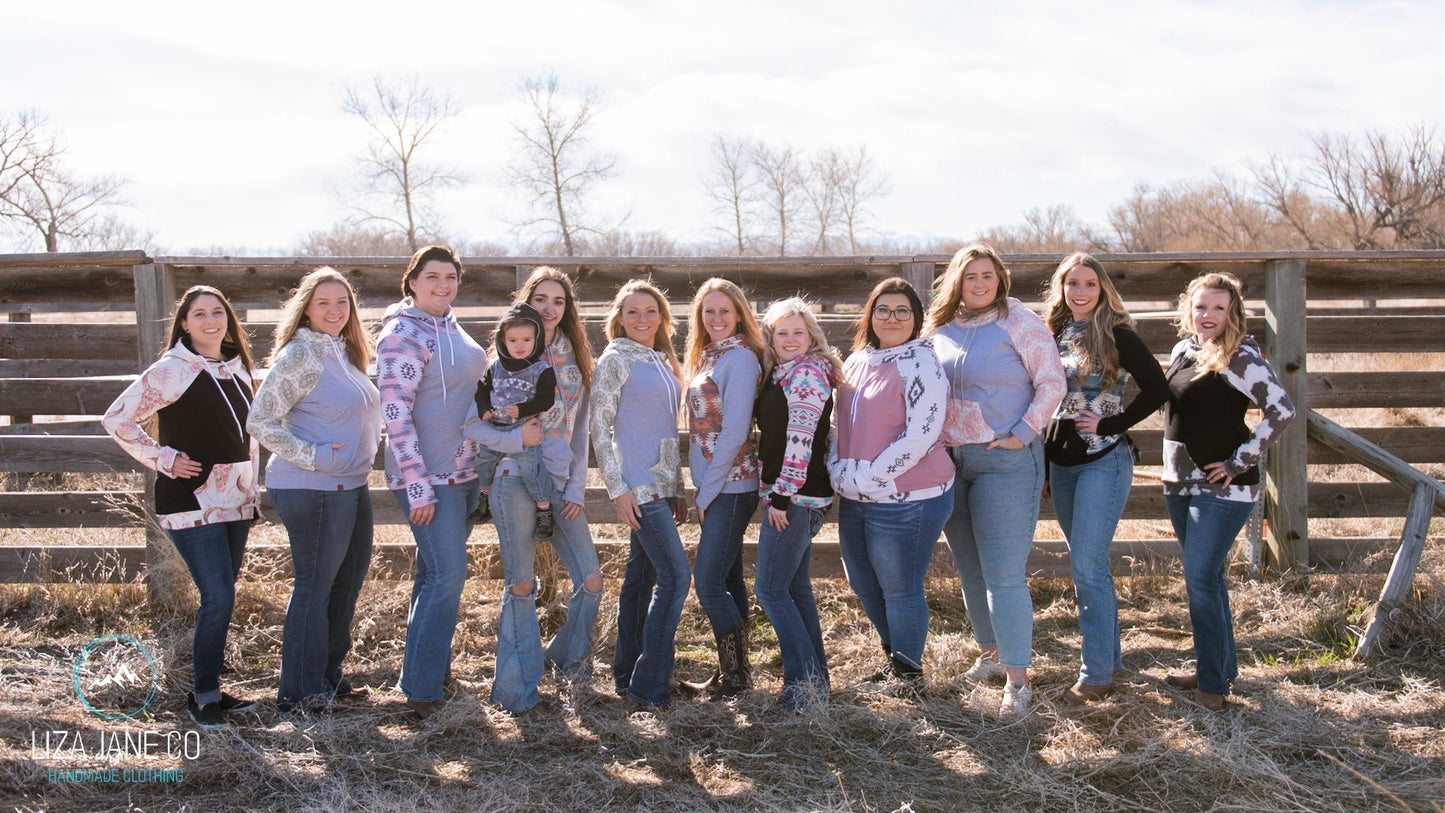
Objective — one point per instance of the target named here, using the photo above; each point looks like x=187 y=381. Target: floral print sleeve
x=159 y=386
x=607 y=380
x=293 y=377
x=1040 y=355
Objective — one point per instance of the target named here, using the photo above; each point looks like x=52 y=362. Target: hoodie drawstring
x=240 y=431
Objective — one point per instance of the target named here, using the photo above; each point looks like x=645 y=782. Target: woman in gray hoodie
x=320 y=416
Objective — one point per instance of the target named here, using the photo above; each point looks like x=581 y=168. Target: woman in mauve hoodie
x=427 y=370
x=893 y=479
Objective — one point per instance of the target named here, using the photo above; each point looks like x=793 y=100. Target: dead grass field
x=1309 y=730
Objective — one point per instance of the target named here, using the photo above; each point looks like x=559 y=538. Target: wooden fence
x=101 y=317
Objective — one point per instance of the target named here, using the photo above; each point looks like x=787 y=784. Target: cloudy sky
x=229 y=122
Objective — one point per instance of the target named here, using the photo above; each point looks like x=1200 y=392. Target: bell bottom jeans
x=649 y=606
x=1206 y=527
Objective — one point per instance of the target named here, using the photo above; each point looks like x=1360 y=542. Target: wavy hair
x=662 y=342
x=571 y=324
x=293 y=315
x=1096 y=347
x=1214 y=354
x=424 y=255
x=817 y=339
x=235 y=334
x=948 y=289
x=697 y=335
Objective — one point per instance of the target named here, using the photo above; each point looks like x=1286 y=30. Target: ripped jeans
x=520 y=657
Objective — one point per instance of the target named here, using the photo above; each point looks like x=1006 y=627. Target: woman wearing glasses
x=1004 y=381
x=891 y=474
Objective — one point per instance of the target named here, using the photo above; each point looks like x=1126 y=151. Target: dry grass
x=1311 y=729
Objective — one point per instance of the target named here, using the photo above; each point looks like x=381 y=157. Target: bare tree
x=39 y=194
x=732 y=183
x=1055 y=230
x=859 y=182
x=1389 y=193
x=821 y=184
x=397 y=183
x=781 y=183
x=555 y=167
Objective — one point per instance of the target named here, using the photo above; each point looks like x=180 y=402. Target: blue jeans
x=213 y=554
x=886 y=548
x=436 y=590
x=996 y=506
x=1088 y=501
x=1206 y=527
x=647 y=627
x=529 y=468
x=786 y=593
x=330 y=533
x=718 y=574
x=520 y=659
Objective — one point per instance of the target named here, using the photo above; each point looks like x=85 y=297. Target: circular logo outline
x=155 y=682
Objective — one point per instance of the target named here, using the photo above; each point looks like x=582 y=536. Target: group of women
x=952 y=422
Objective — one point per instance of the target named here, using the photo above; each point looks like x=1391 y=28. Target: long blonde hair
x=948 y=289
x=817 y=339
x=571 y=324
x=662 y=342
x=1214 y=354
x=1096 y=347
x=293 y=316
x=697 y=335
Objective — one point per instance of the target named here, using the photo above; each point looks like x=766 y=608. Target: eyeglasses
x=902 y=313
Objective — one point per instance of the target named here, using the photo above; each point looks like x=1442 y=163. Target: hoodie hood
x=406 y=309
x=521 y=312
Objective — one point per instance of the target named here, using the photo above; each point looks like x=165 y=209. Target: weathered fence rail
x=101 y=316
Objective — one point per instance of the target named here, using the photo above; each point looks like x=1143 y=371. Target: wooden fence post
x=1286 y=487
x=155 y=297
x=920 y=276
x=20 y=316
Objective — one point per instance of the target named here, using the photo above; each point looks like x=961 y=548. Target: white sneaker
x=985 y=670
x=1015 y=700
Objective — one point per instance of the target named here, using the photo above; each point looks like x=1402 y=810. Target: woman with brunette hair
x=200 y=392
x=320 y=416
x=521 y=658
x=1004 y=381
x=892 y=476
x=724 y=365
x=636 y=393
x=793 y=411
x=427 y=370
x=1091 y=458
x=1211 y=462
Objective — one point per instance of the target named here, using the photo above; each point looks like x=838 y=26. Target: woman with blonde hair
x=200 y=392
x=1211 y=462
x=320 y=416
x=1091 y=458
x=793 y=412
x=636 y=393
x=521 y=658
x=724 y=365
x=1004 y=381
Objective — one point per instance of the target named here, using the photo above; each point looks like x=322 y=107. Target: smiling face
x=205 y=323
x=550 y=301
x=790 y=338
x=1209 y=312
x=434 y=287
x=520 y=339
x=1081 y=291
x=329 y=309
x=980 y=284
x=719 y=316
x=886 y=322
x=641 y=317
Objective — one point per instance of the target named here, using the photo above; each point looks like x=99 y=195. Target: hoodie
x=314 y=397
x=635 y=399
x=793 y=412
x=201 y=407
x=887 y=444
x=427 y=368
x=526 y=383
x=720 y=400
